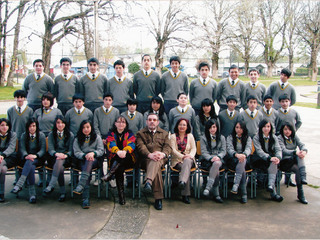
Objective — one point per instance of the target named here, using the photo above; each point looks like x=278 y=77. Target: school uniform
x=163 y=120
x=103 y=120
x=74 y=117
x=288 y=115
x=227 y=121
x=252 y=120
x=258 y=90
x=278 y=88
x=271 y=116
x=201 y=125
x=46 y=118
x=135 y=120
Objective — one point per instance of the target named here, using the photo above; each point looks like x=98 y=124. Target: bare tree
x=309 y=32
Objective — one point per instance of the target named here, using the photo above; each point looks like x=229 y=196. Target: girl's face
x=266 y=129
x=182 y=126
x=4 y=128
x=46 y=103
x=86 y=129
x=60 y=125
x=287 y=132
x=155 y=106
x=239 y=130
x=121 y=125
x=32 y=128
x=206 y=109
x=213 y=129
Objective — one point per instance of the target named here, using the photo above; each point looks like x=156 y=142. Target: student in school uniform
x=93 y=85
x=280 y=87
x=60 y=144
x=88 y=150
x=156 y=106
x=173 y=82
x=121 y=87
x=146 y=84
x=202 y=88
x=206 y=113
x=268 y=112
x=66 y=85
x=254 y=88
x=32 y=149
x=133 y=117
x=8 y=156
x=36 y=84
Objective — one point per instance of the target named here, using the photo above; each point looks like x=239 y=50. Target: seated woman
x=32 y=150
x=120 y=145
x=267 y=155
x=239 y=146
x=8 y=156
x=60 y=144
x=183 y=151
x=213 y=150
x=88 y=149
x=293 y=154
x=206 y=113
x=156 y=106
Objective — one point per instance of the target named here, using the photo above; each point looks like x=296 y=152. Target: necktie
x=32 y=137
x=253 y=85
x=93 y=76
x=38 y=77
x=251 y=115
x=19 y=109
x=268 y=111
x=60 y=135
x=107 y=110
x=131 y=115
x=175 y=75
x=230 y=114
x=79 y=112
x=65 y=77
x=204 y=82
x=87 y=138
x=282 y=85
x=146 y=73
x=119 y=79
x=232 y=83
x=285 y=111
x=182 y=110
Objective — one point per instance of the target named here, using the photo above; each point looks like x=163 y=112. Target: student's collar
x=106 y=109
x=91 y=74
x=287 y=138
x=68 y=75
x=81 y=109
x=47 y=110
x=283 y=110
x=23 y=107
x=148 y=71
x=265 y=109
x=60 y=132
x=134 y=113
x=184 y=109
x=172 y=73
x=235 y=81
x=285 y=83
x=255 y=84
x=33 y=135
x=4 y=134
x=36 y=75
x=212 y=136
x=230 y=111
x=117 y=77
x=156 y=112
x=249 y=111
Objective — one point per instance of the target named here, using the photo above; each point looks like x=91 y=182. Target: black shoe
x=147 y=187
x=270 y=189
x=46 y=192
x=85 y=203
x=244 y=199
x=182 y=185
x=158 y=204
x=1 y=197
x=303 y=200
x=218 y=199
x=40 y=184
x=290 y=183
x=186 y=199
x=304 y=182
x=33 y=199
x=16 y=191
x=277 y=198
x=62 y=197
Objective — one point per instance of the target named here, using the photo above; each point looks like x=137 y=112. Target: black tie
x=204 y=82
x=182 y=110
x=38 y=77
x=60 y=135
x=253 y=85
x=282 y=85
x=79 y=112
x=232 y=83
x=268 y=111
x=93 y=76
x=19 y=109
x=131 y=115
x=119 y=79
x=251 y=114
x=230 y=114
x=107 y=110
x=175 y=75
x=87 y=138
x=285 y=111
x=32 y=137
x=146 y=73
x=65 y=77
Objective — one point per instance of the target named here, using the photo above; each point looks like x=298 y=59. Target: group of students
x=97 y=117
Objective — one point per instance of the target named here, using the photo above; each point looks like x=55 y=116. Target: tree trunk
x=246 y=66
x=291 y=61
x=215 y=65
x=314 y=71
x=4 y=45
x=46 y=50
x=270 y=69
x=159 y=56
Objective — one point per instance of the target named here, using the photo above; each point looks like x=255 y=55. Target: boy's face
x=132 y=107
x=93 y=67
x=107 y=101
x=65 y=67
x=204 y=72
x=182 y=100
x=119 y=70
x=234 y=73
x=20 y=100
x=38 y=67
x=231 y=105
x=146 y=63
x=252 y=104
x=175 y=65
x=284 y=78
x=285 y=103
x=254 y=76
x=78 y=103
x=268 y=103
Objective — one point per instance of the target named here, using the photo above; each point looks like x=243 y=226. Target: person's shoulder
x=47 y=77
x=42 y=135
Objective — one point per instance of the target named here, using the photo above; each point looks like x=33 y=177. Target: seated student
x=268 y=112
x=251 y=116
x=183 y=111
x=207 y=112
x=88 y=150
x=254 y=88
x=121 y=146
x=213 y=150
x=60 y=144
x=294 y=152
x=133 y=117
x=267 y=156
x=183 y=152
x=32 y=148
x=229 y=116
x=156 y=106
x=8 y=158
x=239 y=146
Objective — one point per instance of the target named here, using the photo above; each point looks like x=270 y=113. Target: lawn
x=6 y=93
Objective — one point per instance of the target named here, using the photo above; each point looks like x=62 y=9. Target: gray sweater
x=232 y=151
x=93 y=90
x=171 y=87
x=18 y=121
x=271 y=117
x=64 y=90
x=292 y=116
x=46 y=119
x=146 y=87
x=121 y=91
x=275 y=91
x=227 y=123
x=135 y=123
x=61 y=146
x=266 y=155
x=198 y=92
x=103 y=121
x=74 y=119
x=289 y=146
x=8 y=148
x=81 y=151
x=225 y=89
x=210 y=150
x=252 y=124
x=33 y=149
x=258 y=91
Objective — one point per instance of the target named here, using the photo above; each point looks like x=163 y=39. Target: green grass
x=3 y=115
x=309 y=105
x=6 y=93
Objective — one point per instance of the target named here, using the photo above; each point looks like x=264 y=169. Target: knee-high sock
x=32 y=190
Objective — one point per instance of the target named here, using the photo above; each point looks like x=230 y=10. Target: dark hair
x=19 y=93
x=65 y=59
x=157 y=99
x=9 y=129
x=175 y=58
x=176 y=130
x=284 y=97
x=207 y=102
x=203 y=64
x=290 y=126
x=49 y=96
x=108 y=95
x=114 y=128
x=231 y=97
x=254 y=70
x=244 y=136
x=182 y=93
x=233 y=66
x=131 y=101
x=146 y=55
x=66 y=131
x=38 y=60
x=27 y=136
x=286 y=72
x=78 y=96
x=207 y=132
x=263 y=123
x=119 y=62
x=267 y=97
x=251 y=97
x=81 y=137
x=94 y=60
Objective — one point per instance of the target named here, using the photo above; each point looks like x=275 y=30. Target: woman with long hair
x=206 y=113
x=157 y=107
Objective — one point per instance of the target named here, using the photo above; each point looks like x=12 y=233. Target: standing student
x=93 y=85
x=213 y=150
x=206 y=113
x=60 y=144
x=254 y=88
x=268 y=112
x=173 y=82
x=267 y=156
x=32 y=149
x=280 y=87
x=202 y=87
x=146 y=84
x=133 y=117
x=88 y=150
x=231 y=86
x=36 y=84
x=121 y=87
x=156 y=106
x=66 y=85
x=8 y=158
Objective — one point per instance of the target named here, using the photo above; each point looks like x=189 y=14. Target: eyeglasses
x=121 y=122
x=152 y=120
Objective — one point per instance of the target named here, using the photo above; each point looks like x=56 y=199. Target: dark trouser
x=64 y=107
x=168 y=105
